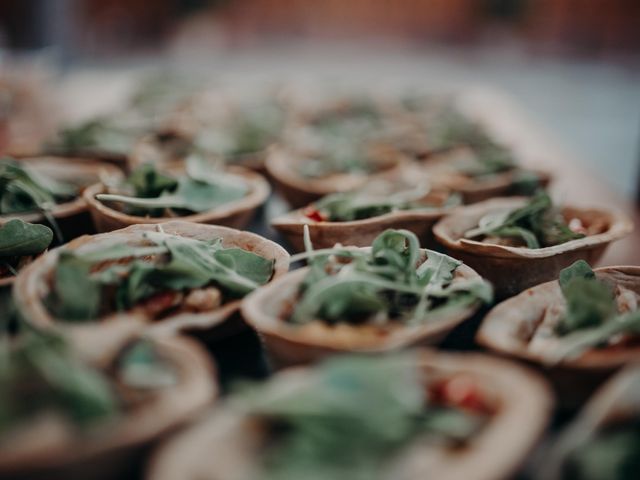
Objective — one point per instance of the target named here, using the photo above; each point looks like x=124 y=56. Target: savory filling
x=152 y=193
x=537 y=224
x=394 y=283
x=19 y=243
x=353 y=416
x=612 y=454
x=42 y=375
x=377 y=198
x=162 y=275
x=597 y=314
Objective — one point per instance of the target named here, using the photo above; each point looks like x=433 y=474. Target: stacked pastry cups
x=33 y=285
x=509 y=329
x=50 y=447
x=229 y=443
x=511 y=269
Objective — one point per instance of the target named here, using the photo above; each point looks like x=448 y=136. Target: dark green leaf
x=18 y=238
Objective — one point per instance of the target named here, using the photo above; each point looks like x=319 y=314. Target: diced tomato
x=315 y=215
x=160 y=302
x=459 y=391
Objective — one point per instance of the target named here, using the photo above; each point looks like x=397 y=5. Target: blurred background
x=572 y=65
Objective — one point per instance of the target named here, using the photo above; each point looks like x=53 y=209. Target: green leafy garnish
x=538 y=224
x=200 y=189
x=350 y=417
x=393 y=282
x=20 y=240
x=591 y=317
x=81 y=292
x=140 y=366
x=39 y=372
x=372 y=201
x=104 y=134
x=23 y=190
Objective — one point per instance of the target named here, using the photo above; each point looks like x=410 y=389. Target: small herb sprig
x=167 y=263
x=18 y=240
x=23 y=190
x=539 y=224
x=350 y=417
x=591 y=318
x=199 y=189
x=391 y=282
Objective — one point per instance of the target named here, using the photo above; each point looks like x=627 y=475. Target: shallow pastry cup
x=616 y=401
x=513 y=269
x=288 y=344
x=298 y=191
x=149 y=150
x=47 y=448
x=235 y=214
x=226 y=445
x=33 y=284
x=359 y=233
x=507 y=328
x=73 y=216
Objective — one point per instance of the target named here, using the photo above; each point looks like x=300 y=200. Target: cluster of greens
x=390 y=282
x=100 y=134
x=365 y=203
x=591 y=318
x=612 y=454
x=351 y=417
x=201 y=188
x=40 y=372
x=83 y=291
x=538 y=224
x=19 y=240
x=23 y=190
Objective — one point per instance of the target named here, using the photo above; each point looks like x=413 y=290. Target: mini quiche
x=199 y=191
x=384 y=298
x=602 y=442
x=165 y=278
x=63 y=416
x=580 y=328
x=402 y=417
x=403 y=199
x=20 y=243
x=49 y=190
x=517 y=242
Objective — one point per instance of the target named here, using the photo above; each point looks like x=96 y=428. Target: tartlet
x=234 y=214
x=72 y=216
x=281 y=165
x=34 y=284
x=229 y=444
x=512 y=269
x=290 y=338
x=325 y=232
x=509 y=328
x=612 y=410
x=511 y=181
x=51 y=446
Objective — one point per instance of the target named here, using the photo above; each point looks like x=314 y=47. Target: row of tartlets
x=122 y=300
x=297 y=317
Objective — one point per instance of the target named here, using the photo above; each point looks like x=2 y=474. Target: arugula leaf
x=98 y=133
x=538 y=224
x=391 y=282
x=18 y=238
x=140 y=366
x=75 y=295
x=148 y=182
x=591 y=318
